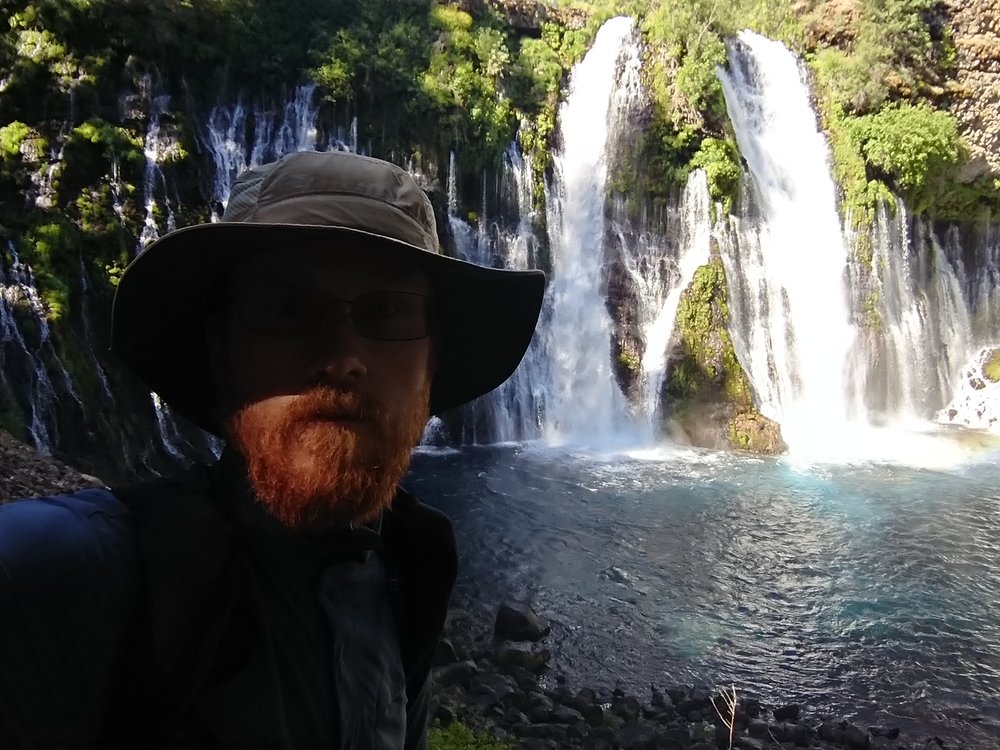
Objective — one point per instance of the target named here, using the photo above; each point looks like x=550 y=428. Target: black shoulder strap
x=187 y=632
x=420 y=545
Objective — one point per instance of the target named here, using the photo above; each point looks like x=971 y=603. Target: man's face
x=326 y=415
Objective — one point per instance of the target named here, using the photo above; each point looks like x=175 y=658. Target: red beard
x=328 y=458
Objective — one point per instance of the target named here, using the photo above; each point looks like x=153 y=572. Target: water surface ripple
x=869 y=592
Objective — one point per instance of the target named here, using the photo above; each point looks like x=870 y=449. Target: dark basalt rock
x=497 y=687
x=789 y=712
x=516 y=622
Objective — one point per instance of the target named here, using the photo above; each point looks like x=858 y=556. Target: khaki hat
x=487 y=315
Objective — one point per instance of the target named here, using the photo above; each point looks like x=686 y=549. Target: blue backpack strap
x=67 y=583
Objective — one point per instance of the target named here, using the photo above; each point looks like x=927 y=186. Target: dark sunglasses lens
x=390 y=316
x=281 y=310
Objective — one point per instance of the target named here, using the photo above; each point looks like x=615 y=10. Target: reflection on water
x=868 y=591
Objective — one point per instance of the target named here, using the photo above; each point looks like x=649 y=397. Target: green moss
x=991 y=369
x=720 y=158
x=629 y=361
x=12 y=136
x=710 y=364
x=457 y=736
x=114 y=141
x=51 y=249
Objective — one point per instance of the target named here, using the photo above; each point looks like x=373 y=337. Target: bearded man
x=290 y=595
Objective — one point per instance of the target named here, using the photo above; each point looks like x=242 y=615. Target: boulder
x=516 y=622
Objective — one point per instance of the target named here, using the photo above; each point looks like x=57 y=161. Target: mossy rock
x=752 y=431
x=991 y=368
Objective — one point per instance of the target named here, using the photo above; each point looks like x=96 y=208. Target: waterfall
x=975 y=397
x=225 y=135
x=21 y=359
x=88 y=332
x=297 y=131
x=228 y=128
x=976 y=402
x=792 y=325
x=586 y=403
x=173 y=441
x=661 y=266
x=923 y=321
x=514 y=411
x=160 y=146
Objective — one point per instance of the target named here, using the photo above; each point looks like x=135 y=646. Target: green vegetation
x=429 y=77
x=911 y=147
x=709 y=367
x=458 y=736
x=992 y=367
x=879 y=89
x=630 y=361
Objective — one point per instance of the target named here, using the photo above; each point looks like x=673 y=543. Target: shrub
x=909 y=146
x=457 y=736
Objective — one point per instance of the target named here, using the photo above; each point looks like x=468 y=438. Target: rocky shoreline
x=496 y=682
x=496 y=677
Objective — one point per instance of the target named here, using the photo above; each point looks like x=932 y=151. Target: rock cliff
x=976 y=28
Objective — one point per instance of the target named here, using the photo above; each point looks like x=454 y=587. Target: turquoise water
x=867 y=591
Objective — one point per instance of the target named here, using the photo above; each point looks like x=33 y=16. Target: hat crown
x=336 y=188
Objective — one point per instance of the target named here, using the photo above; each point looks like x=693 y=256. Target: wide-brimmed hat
x=485 y=317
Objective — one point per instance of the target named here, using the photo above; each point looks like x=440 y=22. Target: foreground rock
x=497 y=686
x=24 y=473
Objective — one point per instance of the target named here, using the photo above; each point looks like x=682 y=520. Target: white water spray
x=160 y=146
x=28 y=360
x=661 y=268
x=790 y=311
x=514 y=411
x=227 y=133
x=586 y=403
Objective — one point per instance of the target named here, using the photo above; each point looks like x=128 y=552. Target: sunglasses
x=287 y=310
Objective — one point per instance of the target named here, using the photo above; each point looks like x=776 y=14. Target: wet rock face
x=756 y=433
x=976 y=28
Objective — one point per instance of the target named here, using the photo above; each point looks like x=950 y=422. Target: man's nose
x=336 y=351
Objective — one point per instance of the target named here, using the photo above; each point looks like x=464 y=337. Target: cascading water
x=586 y=404
x=661 y=267
x=160 y=146
x=514 y=411
x=854 y=363
x=923 y=323
x=23 y=353
x=975 y=398
x=787 y=267
x=297 y=131
x=976 y=402
x=226 y=134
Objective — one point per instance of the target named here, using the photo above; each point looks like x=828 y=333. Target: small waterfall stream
x=924 y=322
x=661 y=268
x=229 y=127
x=27 y=354
x=159 y=147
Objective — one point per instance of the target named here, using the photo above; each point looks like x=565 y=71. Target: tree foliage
x=910 y=147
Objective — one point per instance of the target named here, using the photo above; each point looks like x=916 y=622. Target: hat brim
x=486 y=316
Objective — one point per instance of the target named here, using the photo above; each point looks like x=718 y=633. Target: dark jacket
x=191 y=618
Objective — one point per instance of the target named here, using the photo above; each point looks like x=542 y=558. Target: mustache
x=332 y=403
